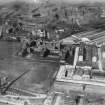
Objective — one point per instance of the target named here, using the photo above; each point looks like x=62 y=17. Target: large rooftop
x=95 y=36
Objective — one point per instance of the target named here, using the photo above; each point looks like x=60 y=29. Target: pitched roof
x=93 y=36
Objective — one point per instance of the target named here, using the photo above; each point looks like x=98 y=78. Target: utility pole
x=99 y=60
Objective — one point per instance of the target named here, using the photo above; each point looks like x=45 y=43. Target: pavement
x=78 y=88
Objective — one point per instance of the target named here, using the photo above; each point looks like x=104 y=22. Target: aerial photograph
x=52 y=52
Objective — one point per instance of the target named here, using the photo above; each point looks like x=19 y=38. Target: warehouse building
x=91 y=49
x=86 y=73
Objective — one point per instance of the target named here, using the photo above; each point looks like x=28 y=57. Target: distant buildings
x=103 y=12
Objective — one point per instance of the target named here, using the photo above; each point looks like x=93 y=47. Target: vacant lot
x=38 y=79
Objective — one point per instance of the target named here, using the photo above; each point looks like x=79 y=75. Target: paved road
x=78 y=88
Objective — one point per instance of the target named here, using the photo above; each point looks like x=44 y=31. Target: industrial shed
x=91 y=49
